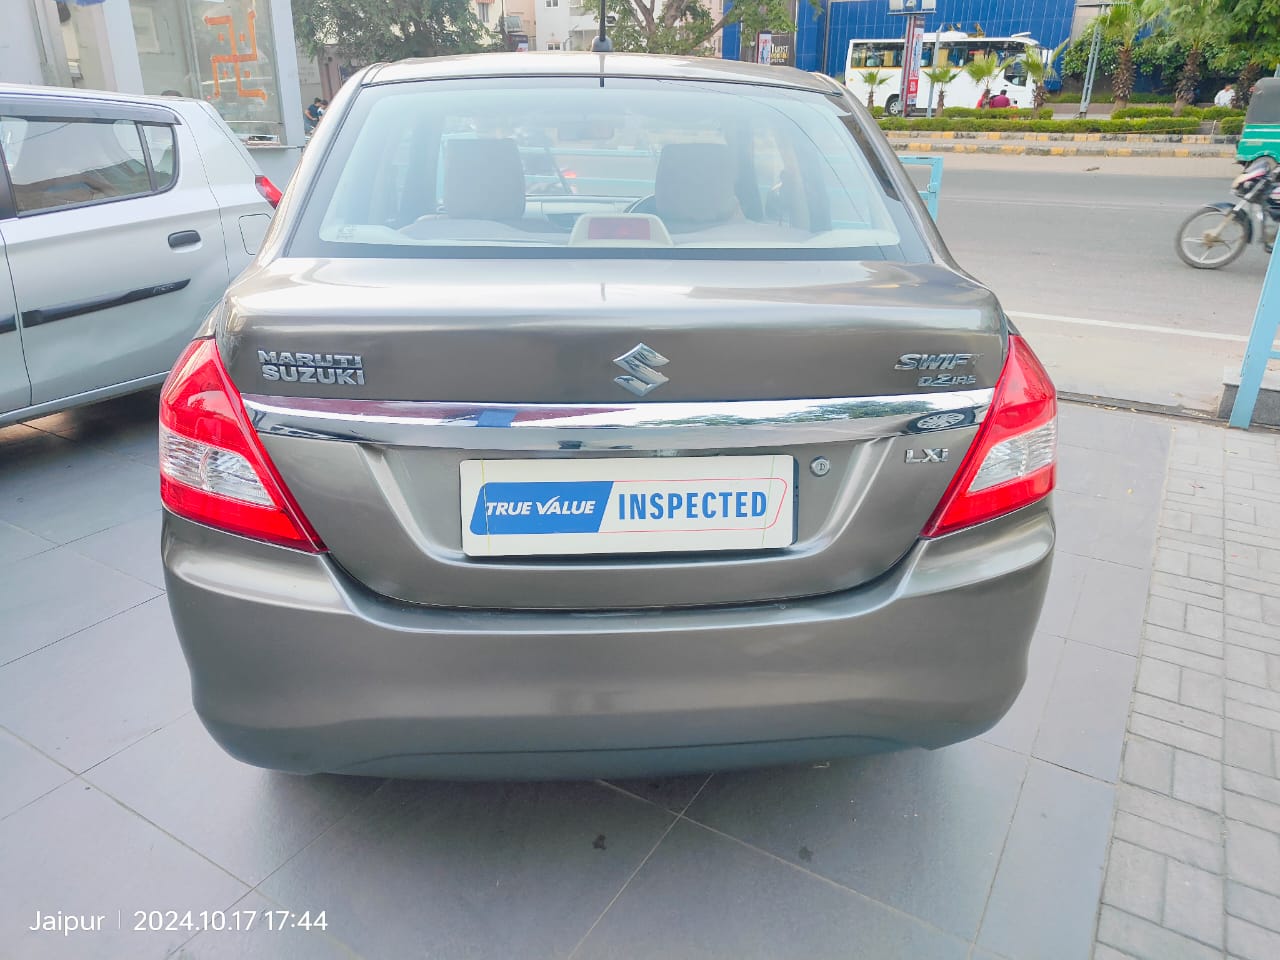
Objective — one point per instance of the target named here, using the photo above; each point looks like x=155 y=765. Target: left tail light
x=270 y=192
x=213 y=468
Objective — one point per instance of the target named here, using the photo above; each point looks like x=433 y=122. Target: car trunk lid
x=372 y=383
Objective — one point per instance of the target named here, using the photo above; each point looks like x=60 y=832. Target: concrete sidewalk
x=1194 y=864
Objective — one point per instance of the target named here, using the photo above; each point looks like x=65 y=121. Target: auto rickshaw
x=1261 y=134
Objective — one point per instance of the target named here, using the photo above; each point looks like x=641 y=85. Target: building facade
x=518 y=23
x=823 y=34
x=566 y=24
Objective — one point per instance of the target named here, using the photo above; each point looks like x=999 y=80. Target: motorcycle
x=1217 y=233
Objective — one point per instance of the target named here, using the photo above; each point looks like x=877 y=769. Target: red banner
x=912 y=51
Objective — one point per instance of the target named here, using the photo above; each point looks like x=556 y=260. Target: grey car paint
x=464 y=331
x=297 y=666
x=394 y=653
x=377 y=510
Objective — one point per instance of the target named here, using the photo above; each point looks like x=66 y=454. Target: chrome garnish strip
x=625 y=426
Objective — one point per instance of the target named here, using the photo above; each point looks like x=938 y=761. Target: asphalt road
x=1083 y=260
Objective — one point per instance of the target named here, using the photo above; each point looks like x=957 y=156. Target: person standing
x=311 y=115
x=1225 y=96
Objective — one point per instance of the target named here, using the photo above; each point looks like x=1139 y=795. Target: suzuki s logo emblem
x=639 y=362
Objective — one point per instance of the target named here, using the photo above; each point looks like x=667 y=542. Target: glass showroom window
x=222 y=52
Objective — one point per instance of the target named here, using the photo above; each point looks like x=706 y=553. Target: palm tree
x=1123 y=23
x=984 y=68
x=1041 y=70
x=940 y=77
x=1244 y=84
x=1195 y=26
x=873 y=79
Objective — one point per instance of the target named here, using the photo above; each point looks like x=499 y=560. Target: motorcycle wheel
x=1198 y=246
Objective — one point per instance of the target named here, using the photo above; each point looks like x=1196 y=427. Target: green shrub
x=877 y=111
x=1157 y=125
x=1218 y=113
x=1198 y=113
x=1135 y=113
x=1152 y=125
x=1005 y=113
x=1231 y=126
x=1102 y=96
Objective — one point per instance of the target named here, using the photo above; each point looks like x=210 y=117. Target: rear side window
x=163 y=149
x=620 y=167
x=54 y=163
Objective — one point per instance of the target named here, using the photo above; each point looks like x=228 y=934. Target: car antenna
x=602 y=44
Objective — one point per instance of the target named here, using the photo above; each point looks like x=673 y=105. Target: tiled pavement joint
x=1194 y=864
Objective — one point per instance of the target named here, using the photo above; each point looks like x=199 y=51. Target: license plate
x=626 y=505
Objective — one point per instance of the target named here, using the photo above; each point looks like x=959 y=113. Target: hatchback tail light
x=1012 y=459
x=270 y=192
x=213 y=468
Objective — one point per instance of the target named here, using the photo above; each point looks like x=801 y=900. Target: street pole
x=1087 y=94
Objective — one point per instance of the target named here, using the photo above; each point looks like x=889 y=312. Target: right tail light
x=1012 y=460
x=270 y=192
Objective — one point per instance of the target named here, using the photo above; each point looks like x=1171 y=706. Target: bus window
x=885 y=55
x=1016 y=74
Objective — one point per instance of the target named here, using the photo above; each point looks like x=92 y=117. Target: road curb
x=1038 y=150
x=1138 y=406
x=1015 y=135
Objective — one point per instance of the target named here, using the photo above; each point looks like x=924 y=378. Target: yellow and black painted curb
x=1084 y=149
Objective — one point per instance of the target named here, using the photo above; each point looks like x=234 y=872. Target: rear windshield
x=591 y=167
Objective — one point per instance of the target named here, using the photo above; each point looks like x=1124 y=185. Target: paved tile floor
x=1194 y=869
x=113 y=800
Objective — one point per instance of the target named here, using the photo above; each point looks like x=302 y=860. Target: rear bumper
x=295 y=666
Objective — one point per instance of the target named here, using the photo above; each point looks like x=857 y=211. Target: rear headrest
x=483 y=180
x=694 y=183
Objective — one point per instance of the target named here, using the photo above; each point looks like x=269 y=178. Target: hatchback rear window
x=614 y=167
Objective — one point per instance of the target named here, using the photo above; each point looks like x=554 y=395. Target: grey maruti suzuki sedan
x=593 y=415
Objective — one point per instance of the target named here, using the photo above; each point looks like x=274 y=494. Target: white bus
x=951 y=48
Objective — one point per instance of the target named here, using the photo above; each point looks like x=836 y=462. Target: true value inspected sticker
x=626 y=505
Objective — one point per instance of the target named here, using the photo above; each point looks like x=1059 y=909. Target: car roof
x=75 y=93
x=561 y=64
x=129 y=105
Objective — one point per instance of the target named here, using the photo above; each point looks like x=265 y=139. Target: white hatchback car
x=122 y=221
